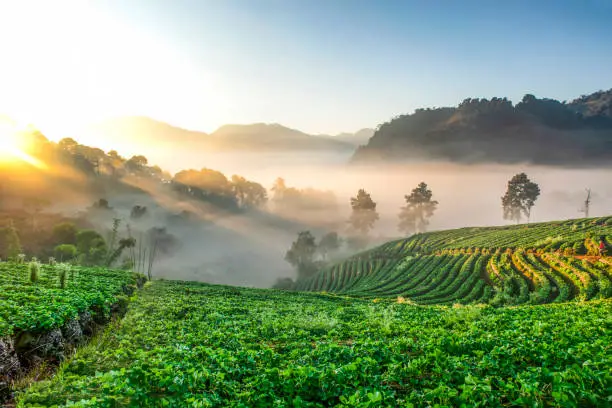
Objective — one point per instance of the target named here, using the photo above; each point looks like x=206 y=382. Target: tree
x=520 y=197
x=65 y=252
x=278 y=188
x=101 y=204
x=69 y=145
x=138 y=211
x=136 y=164
x=414 y=217
x=284 y=284
x=91 y=247
x=248 y=193
x=329 y=243
x=301 y=255
x=10 y=244
x=35 y=205
x=364 y=214
x=64 y=233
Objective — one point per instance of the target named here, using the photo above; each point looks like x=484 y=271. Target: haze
x=319 y=67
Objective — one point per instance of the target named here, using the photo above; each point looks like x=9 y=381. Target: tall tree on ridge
x=520 y=198
x=414 y=217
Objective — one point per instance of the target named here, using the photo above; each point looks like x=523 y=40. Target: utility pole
x=587 y=203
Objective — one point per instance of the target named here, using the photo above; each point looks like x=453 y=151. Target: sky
x=321 y=66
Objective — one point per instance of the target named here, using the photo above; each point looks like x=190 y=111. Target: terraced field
x=538 y=263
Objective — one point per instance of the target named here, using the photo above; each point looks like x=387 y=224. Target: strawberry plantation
x=535 y=264
x=474 y=317
x=195 y=345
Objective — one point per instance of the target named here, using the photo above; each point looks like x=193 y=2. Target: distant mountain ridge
x=143 y=131
x=537 y=131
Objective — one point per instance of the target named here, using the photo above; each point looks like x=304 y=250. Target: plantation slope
x=46 y=310
x=536 y=263
x=43 y=305
x=195 y=345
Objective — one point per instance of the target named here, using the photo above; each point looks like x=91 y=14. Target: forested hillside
x=539 y=131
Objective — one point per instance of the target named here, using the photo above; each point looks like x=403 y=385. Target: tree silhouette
x=520 y=197
x=330 y=242
x=364 y=214
x=301 y=255
x=248 y=193
x=414 y=217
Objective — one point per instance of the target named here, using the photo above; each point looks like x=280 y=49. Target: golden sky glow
x=12 y=147
x=66 y=64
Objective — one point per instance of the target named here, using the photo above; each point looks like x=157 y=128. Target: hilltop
x=538 y=131
x=144 y=133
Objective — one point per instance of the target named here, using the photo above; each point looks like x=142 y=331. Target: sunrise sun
x=12 y=149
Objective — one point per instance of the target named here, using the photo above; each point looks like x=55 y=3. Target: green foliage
x=40 y=307
x=10 y=244
x=65 y=252
x=186 y=344
x=91 y=247
x=535 y=265
x=62 y=275
x=64 y=233
x=414 y=217
x=34 y=268
x=520 y=197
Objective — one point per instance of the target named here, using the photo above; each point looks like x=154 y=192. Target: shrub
x=62 y=274
x=65 y=233
x=34 y=268
x=65 y=252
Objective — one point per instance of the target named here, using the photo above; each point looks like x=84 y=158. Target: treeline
x=127 y=245
x=308 y=256
x=537 y=130
x=107 y=173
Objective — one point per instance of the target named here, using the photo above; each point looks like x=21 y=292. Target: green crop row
x=39 y=303
x=197 y=345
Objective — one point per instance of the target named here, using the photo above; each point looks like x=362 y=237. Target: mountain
x=358 y=138
x=145 y=133
x=538 y=131
x=261 y=136
x=140 y=132
x=596 y=104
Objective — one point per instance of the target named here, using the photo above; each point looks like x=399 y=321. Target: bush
x=284 y=283
x=34 y=268
x=65 y=252
x=65 y=233
x=91 y=247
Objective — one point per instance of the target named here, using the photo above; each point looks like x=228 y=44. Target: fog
x=248 y=249
x=468 y=194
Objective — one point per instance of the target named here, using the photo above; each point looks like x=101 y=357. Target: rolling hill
x=142 y=133
x=539 y=263
x=537 y=131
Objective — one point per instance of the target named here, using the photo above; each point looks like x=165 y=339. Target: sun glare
x=12 y=149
